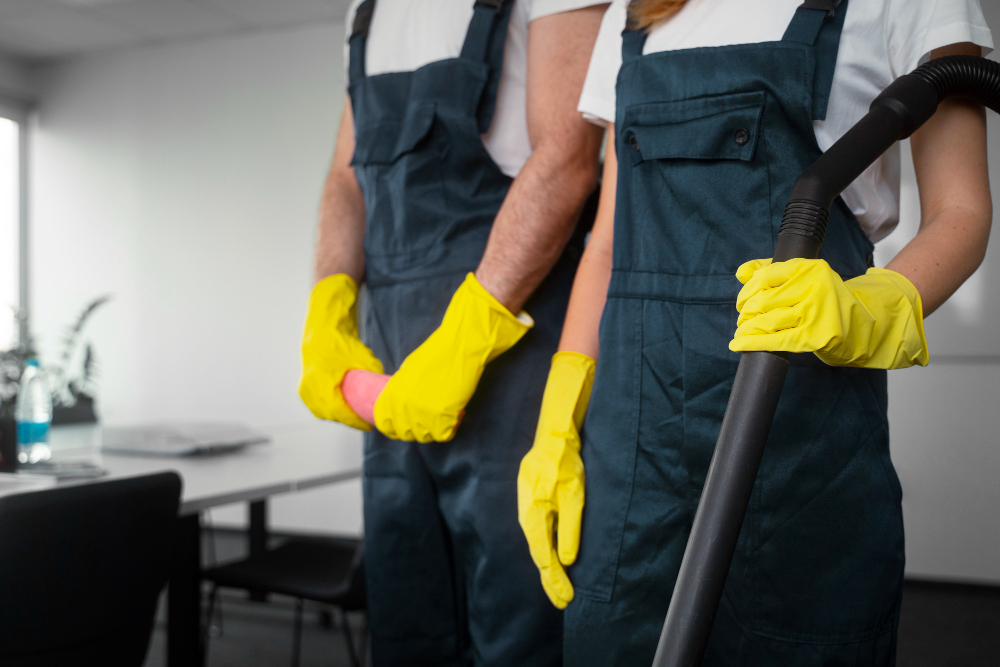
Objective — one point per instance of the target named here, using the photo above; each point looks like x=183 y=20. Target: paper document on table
x=182 y=439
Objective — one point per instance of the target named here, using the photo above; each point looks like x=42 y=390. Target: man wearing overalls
x=460 y=173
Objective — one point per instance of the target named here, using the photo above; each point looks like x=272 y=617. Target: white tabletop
x=298 y=458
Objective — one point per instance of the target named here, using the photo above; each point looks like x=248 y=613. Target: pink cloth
x=361 y=389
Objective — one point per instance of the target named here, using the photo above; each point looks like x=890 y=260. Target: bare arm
x=541 y=209
x=341 y=234
x=949 y=153
x=590 y=288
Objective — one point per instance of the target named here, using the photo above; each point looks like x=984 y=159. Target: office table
x=298 y=458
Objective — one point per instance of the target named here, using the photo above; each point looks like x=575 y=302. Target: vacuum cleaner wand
x=896 y=114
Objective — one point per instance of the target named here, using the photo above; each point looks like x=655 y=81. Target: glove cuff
x=567 y=393
x=903 y=318
x=504 y=328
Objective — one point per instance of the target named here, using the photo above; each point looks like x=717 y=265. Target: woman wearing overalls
x=714 y=108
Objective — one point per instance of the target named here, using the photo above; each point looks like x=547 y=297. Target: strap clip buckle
x=828 y=6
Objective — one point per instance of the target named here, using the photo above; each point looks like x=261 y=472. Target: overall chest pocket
x=398 y=165
x=696 y=185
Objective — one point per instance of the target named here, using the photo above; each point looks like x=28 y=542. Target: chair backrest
x=81 y=569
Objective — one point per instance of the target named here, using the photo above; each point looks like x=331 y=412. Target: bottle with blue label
x=34 y=415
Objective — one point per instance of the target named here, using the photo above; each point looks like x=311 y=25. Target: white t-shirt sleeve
x=597 y=100
x=540 y=8
x=916 y=27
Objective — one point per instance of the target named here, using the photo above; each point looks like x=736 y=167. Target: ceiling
x=44 y=29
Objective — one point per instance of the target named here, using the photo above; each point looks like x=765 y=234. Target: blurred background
x=171 y=153
x=175 y=156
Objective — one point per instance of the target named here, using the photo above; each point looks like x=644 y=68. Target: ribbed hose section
x=966 y=77
x=805 y=218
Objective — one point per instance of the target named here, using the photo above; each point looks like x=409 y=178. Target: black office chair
x=325 y=570
x=81 y=569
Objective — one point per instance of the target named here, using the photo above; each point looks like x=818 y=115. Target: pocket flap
x=383 y=142
x=710 y=128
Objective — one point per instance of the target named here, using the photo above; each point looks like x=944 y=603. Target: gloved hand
x=331 y=347
x=802 y=305
x=425 y=399
x=550 y=483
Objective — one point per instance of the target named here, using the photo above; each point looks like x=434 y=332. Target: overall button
x=741 y=136
x=634 y=143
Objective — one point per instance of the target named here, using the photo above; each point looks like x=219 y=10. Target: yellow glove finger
x=782 y=341
x=773 y=321
x=406 y=419
x=557 y=584
x=747 y=269
x=571 y=495
x=787 y=295
x=774 y=276
x=537 y=519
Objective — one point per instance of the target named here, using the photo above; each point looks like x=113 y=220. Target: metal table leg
x=184 y=638
x=258 y=537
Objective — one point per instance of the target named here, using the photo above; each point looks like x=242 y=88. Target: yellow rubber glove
x=872 y=321
x=331 y=346
x=426 y=398
x=550 y=482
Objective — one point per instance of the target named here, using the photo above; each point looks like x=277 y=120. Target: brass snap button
x=741 y=137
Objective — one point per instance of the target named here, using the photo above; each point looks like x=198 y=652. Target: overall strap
x=359 y=40
x=633 y=40
x=819 y=23
x=484 y=42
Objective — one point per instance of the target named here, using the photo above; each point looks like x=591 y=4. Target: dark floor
x=942 y=625
x=949 y=625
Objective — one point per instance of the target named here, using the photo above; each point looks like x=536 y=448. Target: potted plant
x=73 y=380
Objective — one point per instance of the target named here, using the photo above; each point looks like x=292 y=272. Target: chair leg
x=349 y=638
x=206 y=630
x=297 y=633
x=365 y=638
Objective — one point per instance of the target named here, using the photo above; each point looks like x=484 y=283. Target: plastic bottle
x=34 y=415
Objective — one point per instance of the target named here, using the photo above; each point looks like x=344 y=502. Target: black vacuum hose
x=965 y=77
x=894 y=115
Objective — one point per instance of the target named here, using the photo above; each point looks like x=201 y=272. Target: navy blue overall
x=709 y=144
x=450 y=579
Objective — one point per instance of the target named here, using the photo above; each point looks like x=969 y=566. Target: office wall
x=15 y=80
x=184 y=180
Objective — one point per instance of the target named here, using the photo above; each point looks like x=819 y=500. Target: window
x=9 y=225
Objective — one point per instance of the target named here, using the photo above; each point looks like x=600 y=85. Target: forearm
x=541 y=209
x=590 y=288
x=949 y=155
x=536 y=220
x=945 y=253
x=341 y=232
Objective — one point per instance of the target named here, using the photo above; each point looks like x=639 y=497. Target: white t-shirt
x=405 y=35
x=881 y=41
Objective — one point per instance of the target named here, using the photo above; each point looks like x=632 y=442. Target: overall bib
x=710 y=142
x=450 y=580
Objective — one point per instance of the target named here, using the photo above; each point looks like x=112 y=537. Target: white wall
x=15 y=80
x=185 y=180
